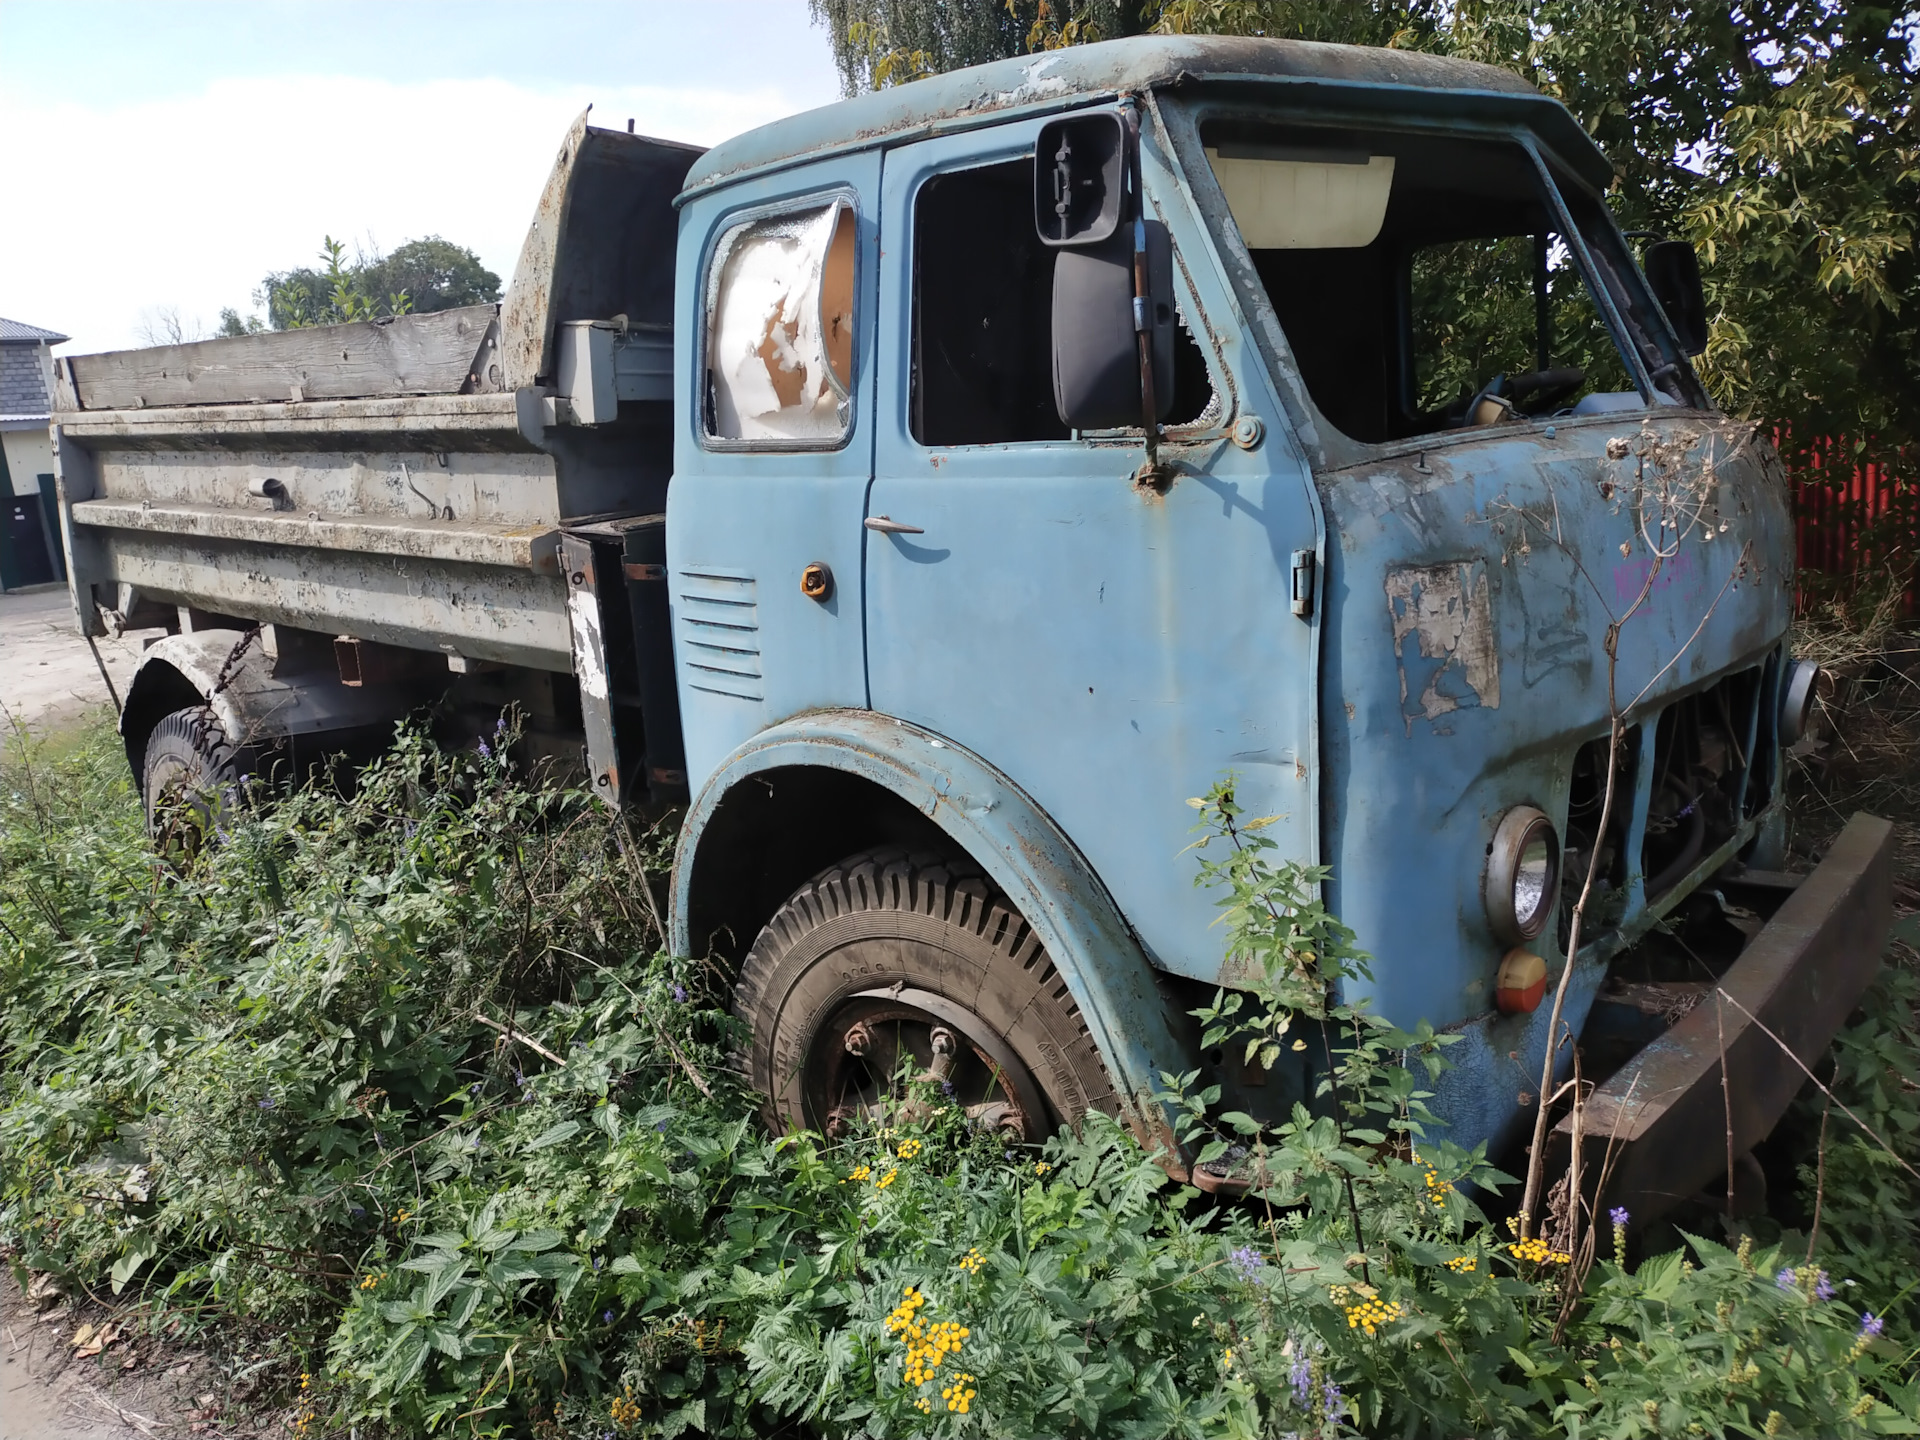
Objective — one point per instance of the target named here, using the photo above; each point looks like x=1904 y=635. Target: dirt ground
x=47 y=674
x=136 y=1386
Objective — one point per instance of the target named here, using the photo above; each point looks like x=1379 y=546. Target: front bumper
x=1665 y=1116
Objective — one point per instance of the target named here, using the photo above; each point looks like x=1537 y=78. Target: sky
x=160 y=156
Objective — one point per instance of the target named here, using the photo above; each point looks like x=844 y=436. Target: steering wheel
x=1530 y=393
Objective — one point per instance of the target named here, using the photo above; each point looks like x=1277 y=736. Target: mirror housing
x=1080 y=179
x=1096 y=350
x=1673 y=273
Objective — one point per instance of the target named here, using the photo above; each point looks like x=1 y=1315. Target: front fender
x=1014 y=841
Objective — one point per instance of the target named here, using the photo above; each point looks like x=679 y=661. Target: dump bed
x=407 y=480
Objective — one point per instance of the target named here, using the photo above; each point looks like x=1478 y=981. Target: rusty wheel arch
x=785 y=805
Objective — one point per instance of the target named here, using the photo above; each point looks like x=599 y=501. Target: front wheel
x=891 y=967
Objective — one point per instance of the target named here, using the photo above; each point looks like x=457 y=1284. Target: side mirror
x=1112 y=274
x=1673 y=273
x=1096 y=346
x=1080 y=179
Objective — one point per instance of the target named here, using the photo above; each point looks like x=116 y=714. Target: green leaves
x=471 y=1237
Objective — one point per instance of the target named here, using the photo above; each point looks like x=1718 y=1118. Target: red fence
x=1854 y=520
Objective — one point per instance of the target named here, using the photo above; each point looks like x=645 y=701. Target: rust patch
x=1453 y=661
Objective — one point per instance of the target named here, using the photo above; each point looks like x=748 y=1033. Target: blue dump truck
x=924 y=497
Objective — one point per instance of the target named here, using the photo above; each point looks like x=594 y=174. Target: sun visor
x=1284 y=198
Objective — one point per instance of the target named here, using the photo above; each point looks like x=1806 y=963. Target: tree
x=1780 y=136
x=165 y=325
x=434 y=274
x=890 y=42
x=233 y=323
x=422 y=275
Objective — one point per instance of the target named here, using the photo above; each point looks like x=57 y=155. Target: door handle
x=885 y=526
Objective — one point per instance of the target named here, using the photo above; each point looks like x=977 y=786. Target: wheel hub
x=908 y=1053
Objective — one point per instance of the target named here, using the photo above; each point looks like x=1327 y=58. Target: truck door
x=1114 y=648
x=773 y=452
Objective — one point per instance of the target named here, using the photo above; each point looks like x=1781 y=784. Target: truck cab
x=1042 y=443
x=1367 y=565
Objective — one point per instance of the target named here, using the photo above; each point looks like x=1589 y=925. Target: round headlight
x=1523 y=874
x=1796 y=700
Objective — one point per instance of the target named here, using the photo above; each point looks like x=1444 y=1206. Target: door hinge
x=1303 y=583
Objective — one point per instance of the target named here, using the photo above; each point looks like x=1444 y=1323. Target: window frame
x=1214 y=421
x=725 y=225
x=1186 y=118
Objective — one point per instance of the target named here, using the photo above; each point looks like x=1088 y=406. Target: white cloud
x=117 y=213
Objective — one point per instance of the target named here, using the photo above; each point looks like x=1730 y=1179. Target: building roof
x=1304 y=72
x=18 y=332
x=23 y=378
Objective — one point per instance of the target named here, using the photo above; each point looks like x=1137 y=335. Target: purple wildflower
x=485 y=753
x=1871 y=1325
x=1784 y=1279
x=1302 y=1377
x=1331 y=1398
x=1823 y=1287
x=267 y=1104
x=1247 y=1261
x=946 y=1088
x=607 y=1316
x=661 y=1126
x=1618 y=1214
x=680 y=994
x=597 y=1261
x=500 y=727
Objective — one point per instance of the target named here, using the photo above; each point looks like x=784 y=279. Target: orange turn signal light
x=1521 y=982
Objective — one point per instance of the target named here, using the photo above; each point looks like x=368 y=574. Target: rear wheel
x=892 y=967
x=192 y=772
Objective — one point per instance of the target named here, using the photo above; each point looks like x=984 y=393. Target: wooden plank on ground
x=404 y=355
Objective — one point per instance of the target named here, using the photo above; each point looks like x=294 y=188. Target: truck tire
x=191 y=771
x=890 y=965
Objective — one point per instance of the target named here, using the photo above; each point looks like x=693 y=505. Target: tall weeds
x=399 y=1090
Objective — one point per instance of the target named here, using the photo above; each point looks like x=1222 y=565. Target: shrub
x=400 y=1085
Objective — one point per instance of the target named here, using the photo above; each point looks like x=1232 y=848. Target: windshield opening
x=1423 y=281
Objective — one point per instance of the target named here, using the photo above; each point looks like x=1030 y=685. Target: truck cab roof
x=1305 y=75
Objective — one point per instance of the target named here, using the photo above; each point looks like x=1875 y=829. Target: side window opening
x=779 y=343
x=1421 y=280
x=983 y=317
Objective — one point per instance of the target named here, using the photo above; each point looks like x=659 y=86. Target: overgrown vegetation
x=399 y=1090
x=1865 y=755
